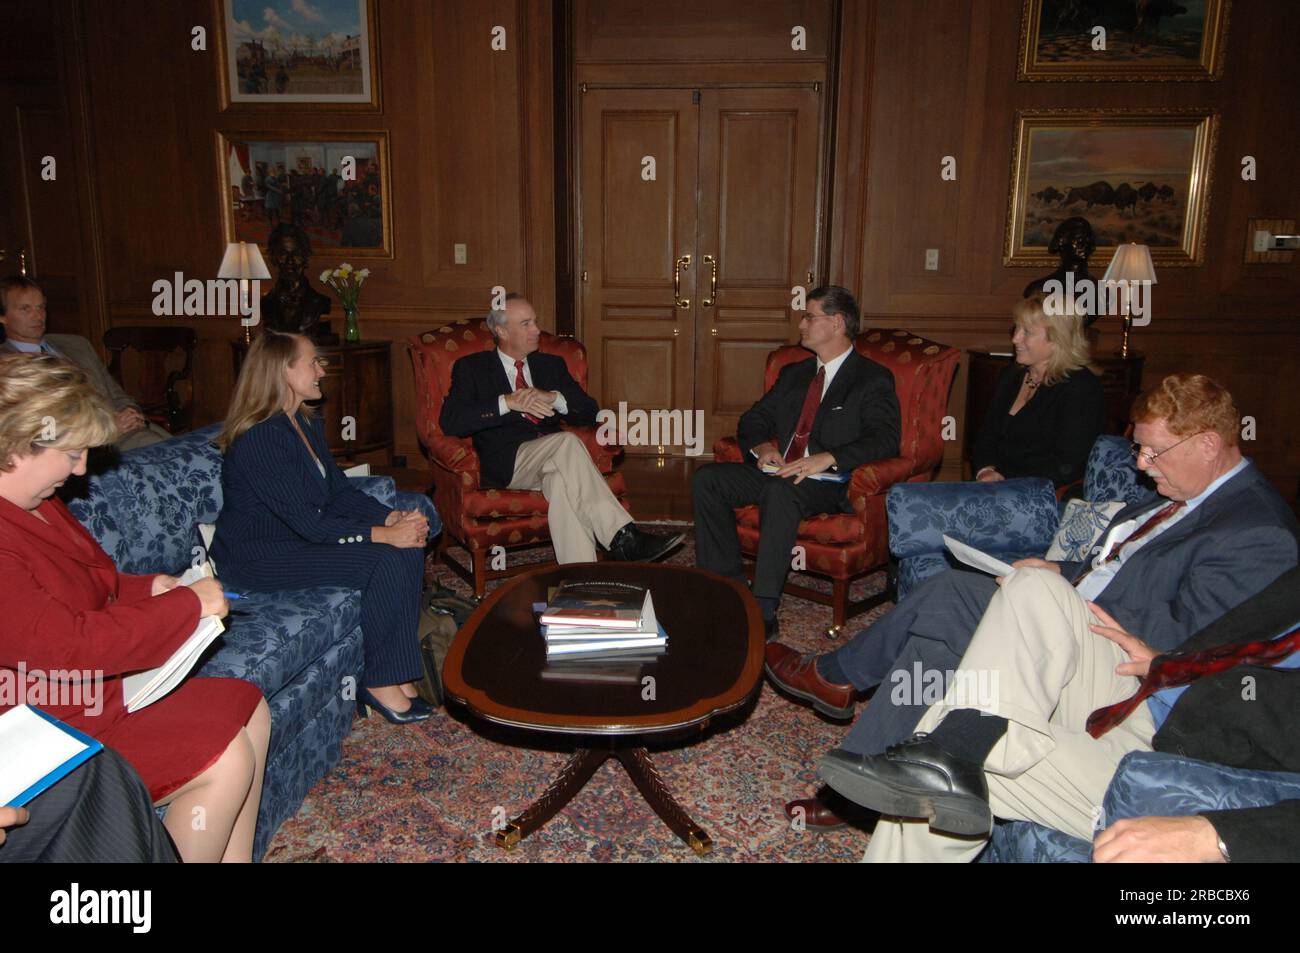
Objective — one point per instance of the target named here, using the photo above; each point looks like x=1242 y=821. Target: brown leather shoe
x=828 y=811
x=796 y=675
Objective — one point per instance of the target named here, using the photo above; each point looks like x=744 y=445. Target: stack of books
x=590 y=620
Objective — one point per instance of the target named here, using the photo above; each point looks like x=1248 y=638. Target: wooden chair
x=157 y=388
x=844 y=546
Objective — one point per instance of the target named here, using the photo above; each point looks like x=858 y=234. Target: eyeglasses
x=1150 y=457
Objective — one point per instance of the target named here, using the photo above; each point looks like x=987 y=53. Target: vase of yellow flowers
x=346 y=283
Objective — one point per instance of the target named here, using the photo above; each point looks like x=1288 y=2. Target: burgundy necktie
x=803 y=429
x=1183 y=668
x=1159 y=517
x=521 y=384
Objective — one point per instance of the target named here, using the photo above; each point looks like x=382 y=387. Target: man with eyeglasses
x=1217 y=534
x=822 y=418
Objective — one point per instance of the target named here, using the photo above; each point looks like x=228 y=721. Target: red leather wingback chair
x=847 y=546
x=477 y=517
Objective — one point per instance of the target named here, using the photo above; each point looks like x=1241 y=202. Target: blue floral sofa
x=1009 y=519
x=298 y=647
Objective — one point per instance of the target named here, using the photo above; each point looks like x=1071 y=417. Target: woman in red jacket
x=71 y=625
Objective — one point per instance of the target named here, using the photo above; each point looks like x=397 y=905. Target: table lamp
x=1131 y=263
x=244 y=261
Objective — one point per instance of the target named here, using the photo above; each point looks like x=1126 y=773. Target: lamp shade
x=1131 y=263
x=243 y=260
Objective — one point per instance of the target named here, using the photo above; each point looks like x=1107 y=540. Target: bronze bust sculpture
x=292 y=304
x=1074 y=243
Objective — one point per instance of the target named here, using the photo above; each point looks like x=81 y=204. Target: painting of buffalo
x=1135 y=175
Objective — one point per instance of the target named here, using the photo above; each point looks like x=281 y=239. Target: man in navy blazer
x=850 y=410
x=1230 y=537
x=511 y=401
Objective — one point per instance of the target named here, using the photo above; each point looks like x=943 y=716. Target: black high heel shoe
x=419 y=710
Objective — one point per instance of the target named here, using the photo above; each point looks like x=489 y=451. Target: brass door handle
x=713 y=280
x=681 y=264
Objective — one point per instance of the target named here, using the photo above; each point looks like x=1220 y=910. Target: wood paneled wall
x=928 y=78
x=471 y=154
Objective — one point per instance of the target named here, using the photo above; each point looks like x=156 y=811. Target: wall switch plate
x=462 y=253
x=932 y=259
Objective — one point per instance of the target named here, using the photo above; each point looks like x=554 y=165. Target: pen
x=232 y=595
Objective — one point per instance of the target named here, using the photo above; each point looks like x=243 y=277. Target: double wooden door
x=699 y=213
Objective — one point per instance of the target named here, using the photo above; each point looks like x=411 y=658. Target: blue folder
x=93 y=747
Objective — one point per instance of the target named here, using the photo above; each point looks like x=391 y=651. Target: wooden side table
x=358 y=383
x=1121 y=381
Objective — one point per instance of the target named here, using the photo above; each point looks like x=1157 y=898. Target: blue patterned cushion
x=1082 y=523
x=271 y=637
x=1112 y=473
x=1005 y=516
x=1159 y=784
x=1020 y=842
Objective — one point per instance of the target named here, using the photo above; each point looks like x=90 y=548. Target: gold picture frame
x=1057 y=36
x=277 y=14
x=1140 y=175
x=356 y=221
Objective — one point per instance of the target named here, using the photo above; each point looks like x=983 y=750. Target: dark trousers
x=928 y=632
x=100 y=813
x=390 y=580
x=719 y=488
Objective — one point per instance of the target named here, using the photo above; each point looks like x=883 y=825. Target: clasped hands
x=531 y=400
x=405 y=529
x=769 y=455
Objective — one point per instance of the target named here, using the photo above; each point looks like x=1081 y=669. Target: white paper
x=30 y=748
x=979 y=560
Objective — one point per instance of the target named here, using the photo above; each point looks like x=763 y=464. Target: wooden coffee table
x=497 y=668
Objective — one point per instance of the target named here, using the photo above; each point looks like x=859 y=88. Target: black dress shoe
x=917 y=778
x=635 y=545
x=419 y=710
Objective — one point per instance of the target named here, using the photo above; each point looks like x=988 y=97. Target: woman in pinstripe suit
x=291 y=520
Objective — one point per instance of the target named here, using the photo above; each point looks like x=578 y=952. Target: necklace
x=1031 y=385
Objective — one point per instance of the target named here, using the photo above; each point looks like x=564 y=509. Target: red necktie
x=1183 y=668
x=521 y=384
x=1159 y=517
x=803 y=429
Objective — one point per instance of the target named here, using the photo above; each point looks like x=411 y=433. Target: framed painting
x=1125 y=40
x=1136 y=175
x=305 y=52
x=335 y=186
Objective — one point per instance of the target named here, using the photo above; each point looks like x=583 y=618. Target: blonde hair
x=1065 y=331
x=47 y=402
x=1188 y=404
x=262 y=390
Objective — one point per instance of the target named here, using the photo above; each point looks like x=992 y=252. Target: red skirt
x=179 y=737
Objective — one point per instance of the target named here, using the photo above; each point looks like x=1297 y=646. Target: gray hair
x=496 y=318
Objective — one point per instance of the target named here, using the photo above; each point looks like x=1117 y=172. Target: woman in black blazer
x=290 y=519
x=1048 y=408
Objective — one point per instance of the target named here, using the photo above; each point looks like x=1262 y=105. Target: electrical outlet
x=462 y=253
x=1263 y=240
x=932 y=259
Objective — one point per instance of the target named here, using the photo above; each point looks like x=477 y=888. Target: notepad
x=826 y=476
x=144 y=688
x=36 y=750
x=979 y=560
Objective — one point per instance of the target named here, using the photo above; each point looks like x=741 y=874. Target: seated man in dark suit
x=1076 y=696
x=510 y=401
x=825 y=415
x=1217 y=535
x=22 y=312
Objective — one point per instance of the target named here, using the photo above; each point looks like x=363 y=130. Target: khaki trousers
x=1047 y=672
x=580 y=505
